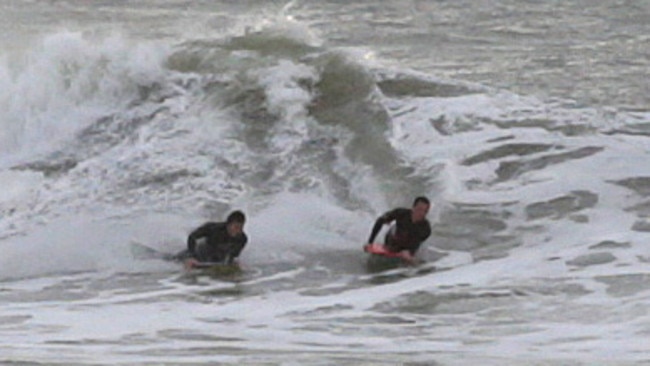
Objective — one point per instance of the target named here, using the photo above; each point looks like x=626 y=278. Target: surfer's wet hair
x=421 y=199
x=236 y=216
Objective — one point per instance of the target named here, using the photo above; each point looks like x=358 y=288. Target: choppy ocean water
x=526 y=123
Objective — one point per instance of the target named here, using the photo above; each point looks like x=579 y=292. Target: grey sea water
x=525 y=122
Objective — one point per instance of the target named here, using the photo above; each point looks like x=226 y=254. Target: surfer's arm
x=190 y=263
x=382 y=220
x=407 y=256
x=199 y=233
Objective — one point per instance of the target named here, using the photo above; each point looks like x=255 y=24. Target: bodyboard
x=144 y=252
x=141 y=251
x=380 y=249
x=214 y=268
x=381 y=259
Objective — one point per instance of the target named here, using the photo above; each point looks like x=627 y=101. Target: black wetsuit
x=219 y=246
x=405 y=235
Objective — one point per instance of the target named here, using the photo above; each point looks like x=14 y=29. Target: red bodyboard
x=380 y=249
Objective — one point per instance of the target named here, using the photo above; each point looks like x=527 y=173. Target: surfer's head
x=420 y=208
x=235 y=223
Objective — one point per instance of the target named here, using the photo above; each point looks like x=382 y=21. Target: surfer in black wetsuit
x=220 y=242
x=410 y=230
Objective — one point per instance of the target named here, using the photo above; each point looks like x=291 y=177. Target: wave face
x=166 y=116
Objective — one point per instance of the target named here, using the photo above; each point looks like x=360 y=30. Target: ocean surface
x=527 y=123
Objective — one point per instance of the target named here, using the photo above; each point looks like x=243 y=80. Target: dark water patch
x=625 y=285
x=383 y=276
x=479 y=229
x=53 y=293
x=266 y=43
x=378 y=320
x=495 y=247
x=52 y=274
x=169 y=353
x=362 y=324
x=234 y=291
x=355 y=354
x=502 y=151
x=500 y=329
x=531 y=228
x=322 y=310
x=8 y=362
x=311 y=277
x=355 y=271
x=318 y=166
x=632 y=129
x=257 y=119
x=640 y=185
x=513 y=169
x=408 y=86
x=579 y=218
x=642 y=209
x=486 y=247
x=501 y=139
x=52 y=166
x=551 y=125
x=342 y=83
x=138 y=338
x=84 y=342
x=610 y=244
x=12 y=320
x=152 y=179
x=389 y=326
x=553 y=287
x=461 y=219
x=422 y=302
x=193 y=335
x=108 y=131
x=560 y=207
x=124 y=283
x=378 y=263
x=449 y=126
x=578 y=339
x=219 y=55
x=198 y=56
x=592 y=259
x=641 y=226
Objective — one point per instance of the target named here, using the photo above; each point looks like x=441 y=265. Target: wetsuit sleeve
x=383 y=219
x=199 y=233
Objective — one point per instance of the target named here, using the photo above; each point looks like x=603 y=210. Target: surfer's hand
x=408 y=258
x=190 y=263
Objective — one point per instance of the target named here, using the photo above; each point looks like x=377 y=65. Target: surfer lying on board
x=222 y=241
x=410 y=230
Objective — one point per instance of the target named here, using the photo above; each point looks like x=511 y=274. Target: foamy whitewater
x=526 y=124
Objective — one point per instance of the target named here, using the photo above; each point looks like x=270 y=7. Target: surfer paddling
x=216 y=242
x=410 y=229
